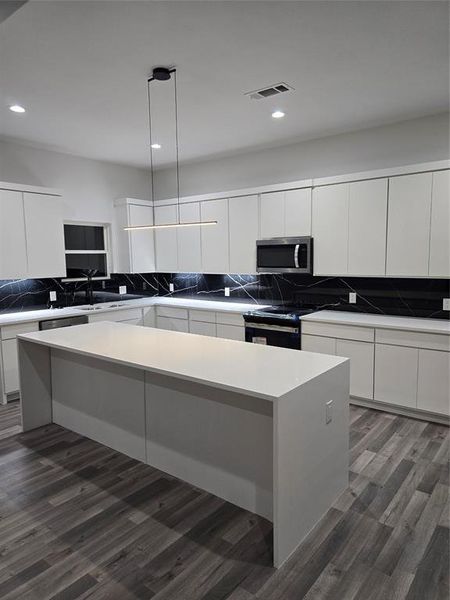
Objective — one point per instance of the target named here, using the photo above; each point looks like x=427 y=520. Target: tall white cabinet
x=243 y=226
x=135 y=249
x=189 y=242
x=166 y=240
x=285 y=213
x=439 y=265
x=215 y=242
x=13 y=249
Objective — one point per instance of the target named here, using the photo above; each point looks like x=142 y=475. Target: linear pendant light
x=165 y=74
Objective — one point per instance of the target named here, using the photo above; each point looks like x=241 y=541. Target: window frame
x=107 y=251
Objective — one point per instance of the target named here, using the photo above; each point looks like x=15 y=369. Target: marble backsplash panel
x=409 y=297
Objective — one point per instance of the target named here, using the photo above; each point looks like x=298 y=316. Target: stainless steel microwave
x=284 y=255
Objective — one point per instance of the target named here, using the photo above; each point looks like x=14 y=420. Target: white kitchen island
x=252 y=424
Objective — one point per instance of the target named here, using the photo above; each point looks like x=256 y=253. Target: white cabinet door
x=361 y=355
x=433 y=391
x=231 y=332
x=330 y=229
x=10 y=366
x=367 y=227
x=166 y=239
x=297 y=212
x=272 y=215
x=13 y=249
x=409 y=225
x=202 y=328
x=440 y=225
x=172 y=324
x=396 y=375
x=45 y=235
x=189 y=245
x=148 y=316
x=142 y=244
x=215 y=245
x=317 y=343
x=243 y=234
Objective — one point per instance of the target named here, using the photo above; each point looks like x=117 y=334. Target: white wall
x=403 y=143
x=89 y=186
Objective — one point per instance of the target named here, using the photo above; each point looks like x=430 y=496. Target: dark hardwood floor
x=78 y=520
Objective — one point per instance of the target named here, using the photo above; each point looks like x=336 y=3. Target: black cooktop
x=285 y=313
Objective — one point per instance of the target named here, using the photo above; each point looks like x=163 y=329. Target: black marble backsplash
x=408 y=297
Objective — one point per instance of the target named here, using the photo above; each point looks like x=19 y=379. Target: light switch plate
x=227 y=291
x=352 y=298
x=122 y=290
x=445 y=303
x=52 y=296
x=171 y=287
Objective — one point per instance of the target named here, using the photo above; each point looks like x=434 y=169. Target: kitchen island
x=264 y=428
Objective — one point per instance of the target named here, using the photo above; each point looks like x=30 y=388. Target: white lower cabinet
x=202 y=328
x=433 y=385
x=396 y=375
x=361 y=355
x=10 y=366
x=172 y=324
x=317 y=343
x=231 y=332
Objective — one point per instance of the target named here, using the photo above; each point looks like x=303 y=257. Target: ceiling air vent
x=268 y=92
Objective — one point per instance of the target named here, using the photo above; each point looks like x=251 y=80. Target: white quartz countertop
x=380 y=321
x=27 y=316
x=261 y=371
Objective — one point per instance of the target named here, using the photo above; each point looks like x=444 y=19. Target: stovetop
x=285 y=313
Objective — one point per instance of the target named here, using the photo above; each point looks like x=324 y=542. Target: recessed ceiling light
x=278 y=114
x=156 y=146
x=17 y=108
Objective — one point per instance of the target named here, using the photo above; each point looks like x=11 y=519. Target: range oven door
x=282 y=336
x=284 y=255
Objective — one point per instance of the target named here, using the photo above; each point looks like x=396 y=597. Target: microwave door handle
x=296 y=249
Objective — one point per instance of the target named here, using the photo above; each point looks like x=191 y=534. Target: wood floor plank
x=80 y=521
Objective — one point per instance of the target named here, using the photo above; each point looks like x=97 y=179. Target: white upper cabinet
x=367 y=227
x=330 y=229
x=13 y=249
x=189 y=244
x=408 y=240
x=215 y=245
x=135 y=249
x=45 y=235
x=440 y=225
x=272 y=215
x=166 y=243
x=297 y=212
x=243 y=215
x=286 y=214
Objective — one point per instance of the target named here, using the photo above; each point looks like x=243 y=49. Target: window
x=86 y=249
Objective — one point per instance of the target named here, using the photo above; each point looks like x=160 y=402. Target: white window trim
x=107 y=250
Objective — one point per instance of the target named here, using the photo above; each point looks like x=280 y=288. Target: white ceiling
x=80 y=68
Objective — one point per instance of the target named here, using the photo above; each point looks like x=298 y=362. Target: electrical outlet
x=52 y=296
x=445 y=303
x=329 y=411
x=122 y=290
x=103 y=285
x=227 y=291
x=171 y=287
x=352 y=298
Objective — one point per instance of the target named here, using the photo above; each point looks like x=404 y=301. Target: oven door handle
x=296 y=249
x=268 y=327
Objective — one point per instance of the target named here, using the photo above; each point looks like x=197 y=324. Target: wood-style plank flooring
x=78 y=520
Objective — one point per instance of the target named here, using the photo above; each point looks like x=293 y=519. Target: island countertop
x=265 y=372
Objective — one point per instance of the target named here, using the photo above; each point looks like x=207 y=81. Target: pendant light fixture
x=161 y=74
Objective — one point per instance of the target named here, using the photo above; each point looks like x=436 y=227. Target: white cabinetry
x=13 y=249
x=189 y=244
x=286 y=213
x=330 y=229
x=9 y=367
x=135 y=249
x=367 y=212
x=361 y=355
x=215 y=244
x=172 y=324
x=433 y=388
x=231 y=332
x=396 y=375
x=317 y=343
x=408 y=240
x=166 y=242
x=202 y=328
x=243 y=215
x=440 y=226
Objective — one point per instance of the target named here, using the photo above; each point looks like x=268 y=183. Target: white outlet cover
x=52 y=296
x=122 y=290
x=352 y=298
x=445 y=303
x=171 y=287
x=227 y=291
x=329 y=411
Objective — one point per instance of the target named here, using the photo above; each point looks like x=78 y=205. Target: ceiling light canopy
x=165 y=74
x=17 y=108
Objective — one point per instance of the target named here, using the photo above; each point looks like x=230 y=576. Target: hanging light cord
x=176 y=144
x=151 y=149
